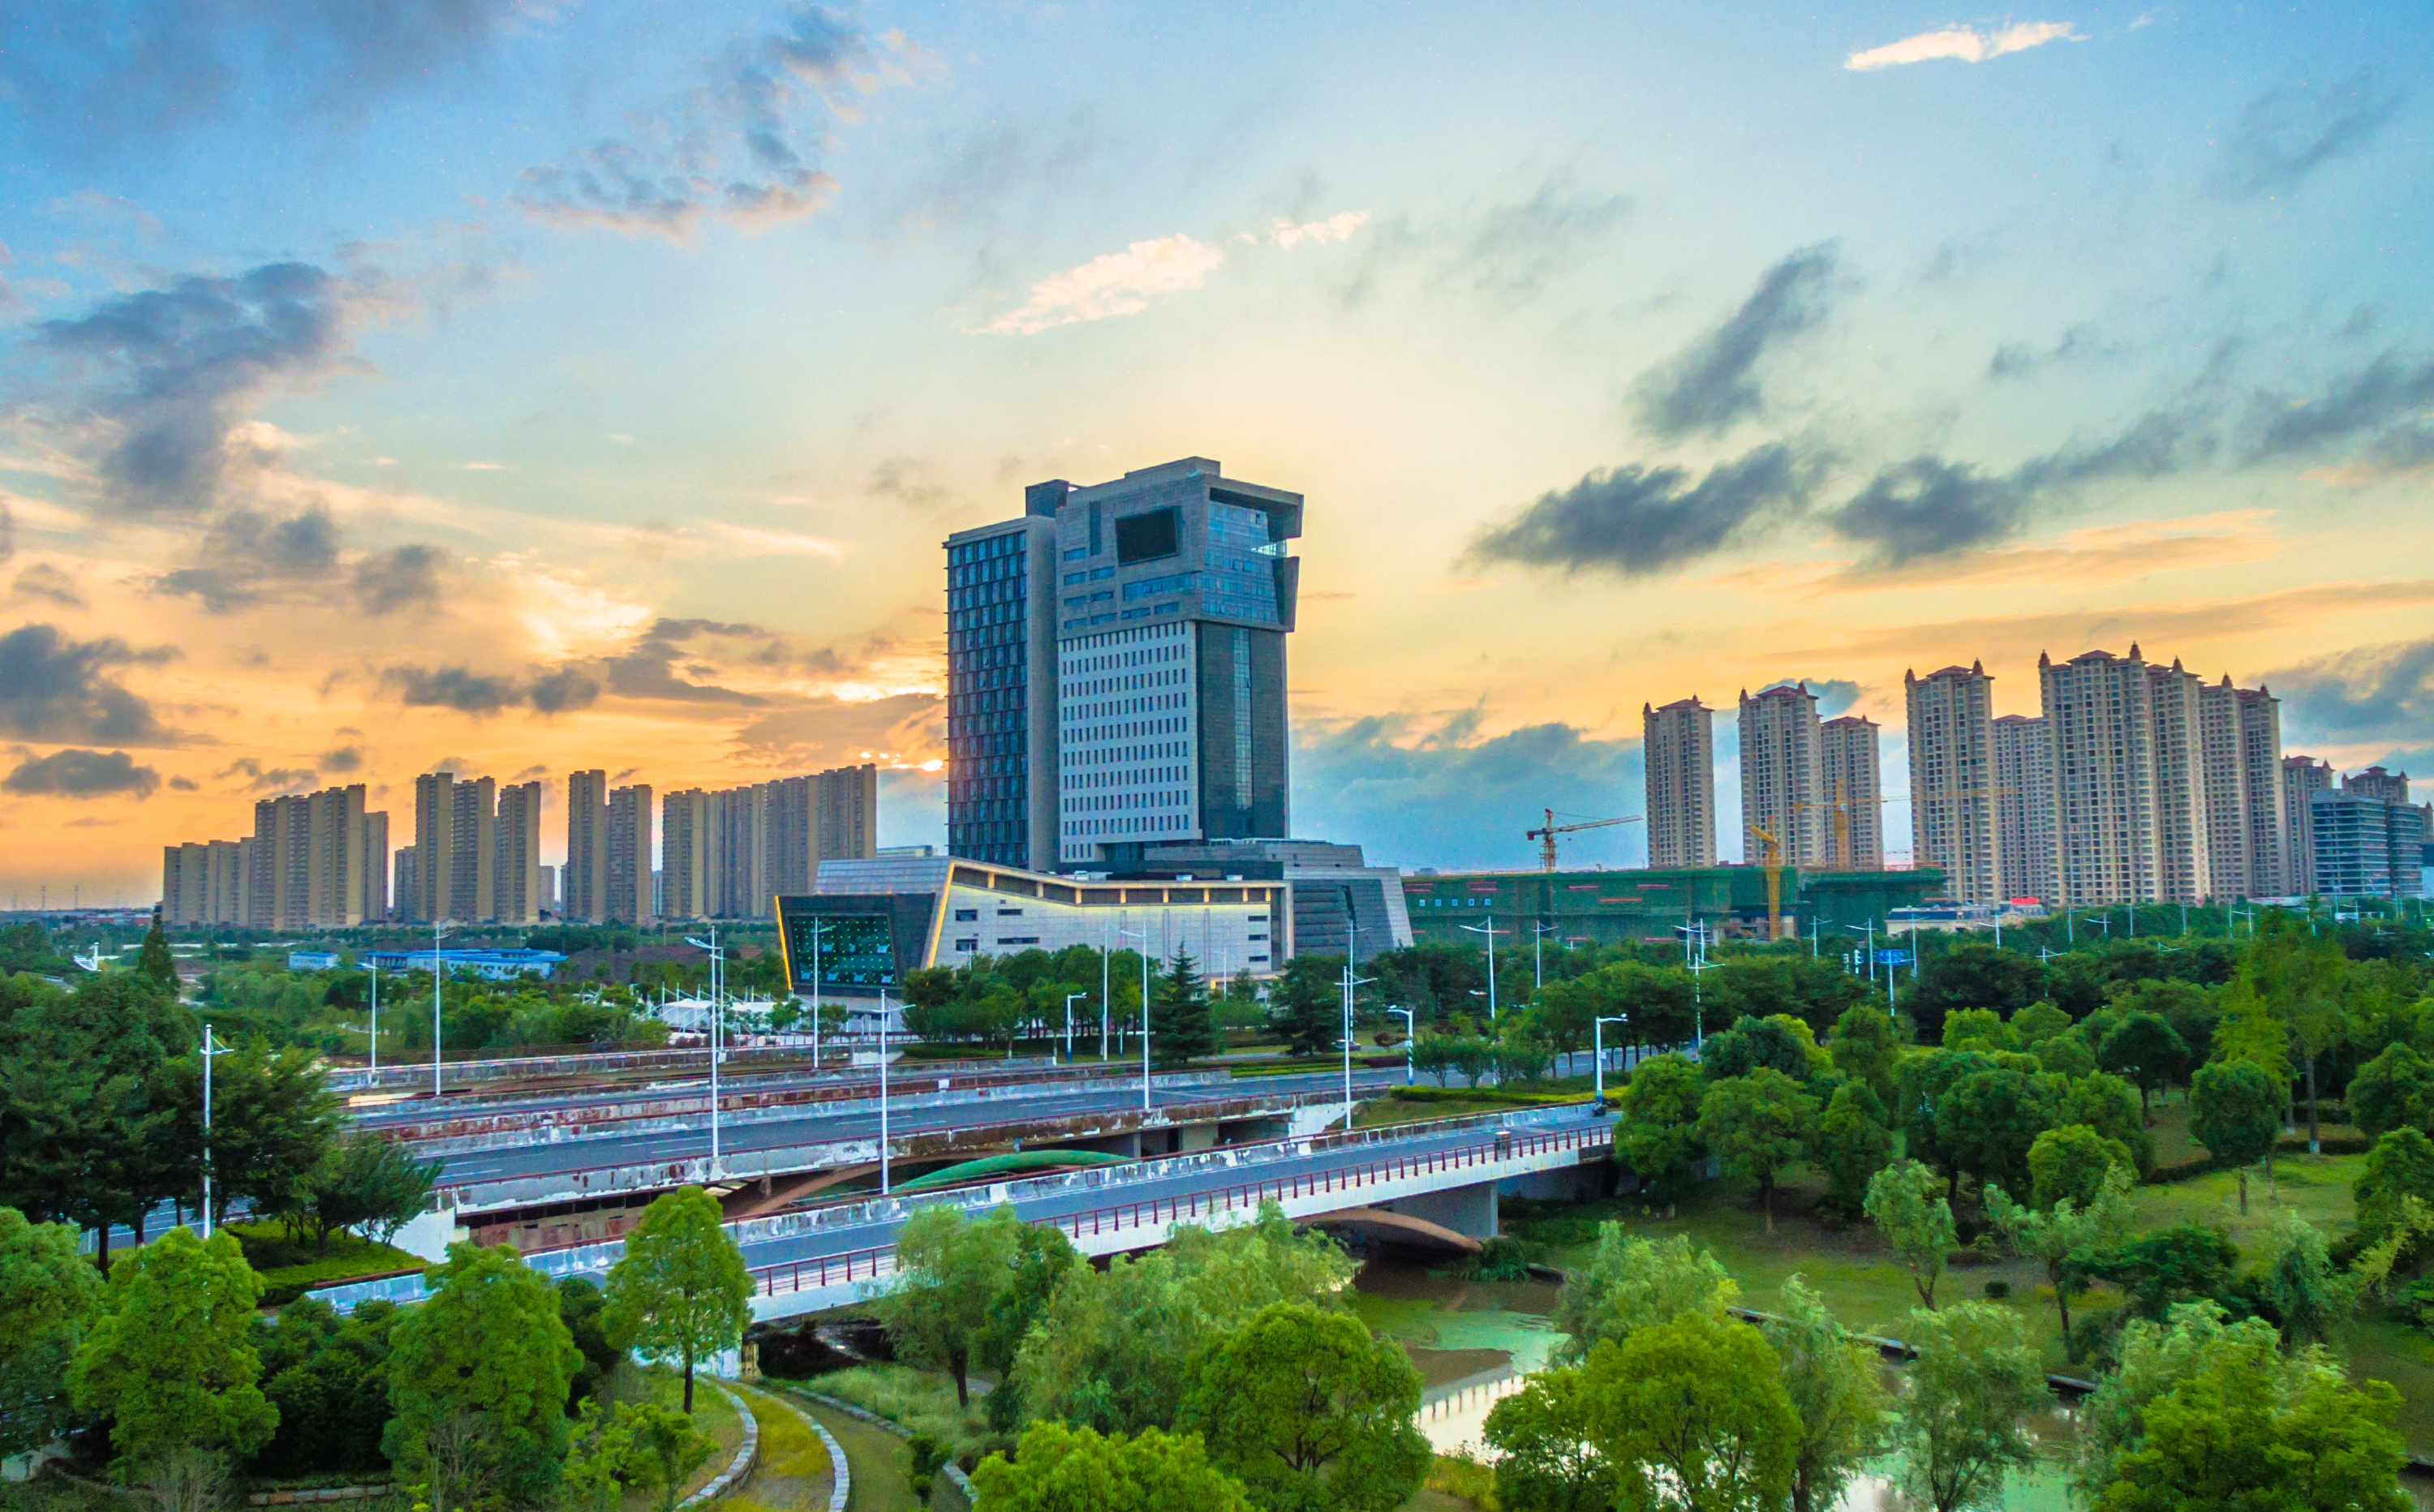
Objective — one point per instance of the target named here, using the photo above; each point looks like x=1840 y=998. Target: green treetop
x=168 y=1361
x=48 y=1299
x=1309 y=1411
x=1916 y=1220
x=1631 y=1283
x=2235 y=1112
x=2053 y=1234
x=478 y=1377
x=1757 y=1125
x=1961 y=1428
x=680 y=1291
x=1056 y=1469
x=1837 y=1389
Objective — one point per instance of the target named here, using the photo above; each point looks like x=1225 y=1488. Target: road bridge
x=1444 y=1174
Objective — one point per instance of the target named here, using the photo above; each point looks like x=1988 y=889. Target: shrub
x=1998 y=1290
x=1463 y=1475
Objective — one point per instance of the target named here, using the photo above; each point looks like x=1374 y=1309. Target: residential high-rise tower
x=1678 y=749
x=2024 y=799
x=1952 y=781
x=584 y=890
x=2100 y=715
x=516 y=895
x=1781 y=767
x=1851 y=785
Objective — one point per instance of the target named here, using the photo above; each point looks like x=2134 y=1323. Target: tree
x=1976 y=1029
x=1111 y=1344
x=366 y=1183
x=2217 y=1441
x=2038 y=1024
x=154 y=962
x=1657 y=1130
x=1042 y=1258
x=2395 y=1090
x=2073 y=1162
x=1916 y=1220
x=2235 y=1112
x=680 y=1290
x=1837 y=1390
x=1758 y=1125
x=1973 y=974
x=477 y=1378
x=1309 y=1412
x=666 y=1448
x=2297 y=1286
x=1851 y=1144
x=2142 y=1049
x=48 y=1299
x=1692 y=1413
x=2054 y=1235
x=1989 y=1120
x=85 y=1128
x=1779 y=1044
x=1545 y=1462
x=2157 y=1357
x=1308 y=1002
x=948 y=1271
x=1056 y=1469
x=2300 y=978
x=1631 y=1283
x=2110 y=1106
x=1866 y=1044
x=2399 y=1168
x=274 y=1120
x=327 y=1376
x=1959 y=1429
x=1921 y=1081
x=1179 y=1014
x=2187 y=1261
x=169 y=1361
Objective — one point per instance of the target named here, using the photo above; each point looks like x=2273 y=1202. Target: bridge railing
x=1155 y=1212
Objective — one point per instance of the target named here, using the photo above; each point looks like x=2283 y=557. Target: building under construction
x=1614 y=907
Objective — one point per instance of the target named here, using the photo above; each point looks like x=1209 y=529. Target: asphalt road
x=594 y=1151
x=739 y=1081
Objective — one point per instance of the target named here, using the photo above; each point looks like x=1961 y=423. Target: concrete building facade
x=1952 y=781
x=628 y=862
x=2100 y=717
x=315 y=861
x=516 y=896
x=2024 y=798
x=730 y=853
x=1678 y=750
x=1782 y=766
x=1851 y=785
x=585 y=886
x=2185 y=863
x=2303 y=777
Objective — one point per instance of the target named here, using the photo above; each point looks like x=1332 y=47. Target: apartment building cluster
x=1813 y=785
x=318 y=860
x=2135 y=782
x=314 y=861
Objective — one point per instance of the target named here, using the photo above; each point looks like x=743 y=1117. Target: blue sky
x=537 y=387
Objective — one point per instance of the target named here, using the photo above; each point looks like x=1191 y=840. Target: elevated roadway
x=1444 y=1174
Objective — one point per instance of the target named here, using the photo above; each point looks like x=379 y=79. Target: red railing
x=869 y=1264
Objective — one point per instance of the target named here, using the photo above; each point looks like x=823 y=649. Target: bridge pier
x=1469 y=1211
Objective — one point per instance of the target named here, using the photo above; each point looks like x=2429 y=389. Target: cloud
x=1835 y=696
x=54 y=689
x=1515 y=249
x=254 y=777
x=2080 y=344
x=2082 y=558
x=1929 y=506
x=1637 y=520
x=2387 y=389
x=1713 y=384
x=1112 y=283
x=343 y=759
x=2370 y=693
x=826 y=731
x=99 y=82
x=74 y=774
x=188 y=361
x=48 y=583
x=738 y=149
x=1966 y=44
x=1435 y=791
x=1335 y=227
x=2285 y=135
x=692 y=661
x=184 y=785
x=248 y=554
x=554 y=691
x=401 y=577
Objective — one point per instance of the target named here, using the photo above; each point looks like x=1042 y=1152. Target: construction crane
x=1773 y=864
x=1840 y=806
x=1546 y=836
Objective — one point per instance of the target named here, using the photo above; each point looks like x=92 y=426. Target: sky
x=521 y=386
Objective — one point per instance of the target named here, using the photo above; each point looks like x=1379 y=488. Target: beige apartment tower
x=628 y=862
x=2303 y=777
x=2100 y=718
x=516 y=896
x=2247 y=833
x=473 y=850
x=585 y=890
x=2185 y=865
x=1781 y=767
x=309 y=864
x=2024 y=807
x=1851 y=787
x=1679 y=752
x=1952 y=785
x=434 y=845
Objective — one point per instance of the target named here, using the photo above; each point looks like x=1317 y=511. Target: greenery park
x=1857 y=1252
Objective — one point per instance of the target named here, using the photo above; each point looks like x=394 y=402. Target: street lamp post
x=209 y=1053
x=1106 y=954
x=1490 y=930
x=1350 y=982
x=1068 y=1025
x=438 y=929
x=375 y=1071
x=717 y=975
x=1142 y=935
x=1597 y=1032
x=1538 y=933
x=1411 y=1033
x=815 y=996
x=883 y=1092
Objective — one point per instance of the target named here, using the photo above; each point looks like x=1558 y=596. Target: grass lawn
x=922 y=1401
x=877 y=1459
x=1381 y=1112
x=794 y=1473
x=711 y=1414
x=290 y=1266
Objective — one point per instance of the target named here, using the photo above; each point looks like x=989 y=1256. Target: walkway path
x=877 y=1459
x=794 y=1475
